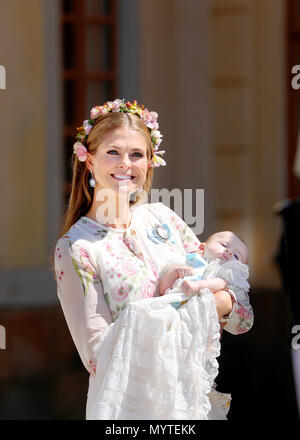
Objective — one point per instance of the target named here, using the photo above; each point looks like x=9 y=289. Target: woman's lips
x=122 y=177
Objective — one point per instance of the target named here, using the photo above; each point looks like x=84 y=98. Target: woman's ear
x=201 y=248
x=89 y=162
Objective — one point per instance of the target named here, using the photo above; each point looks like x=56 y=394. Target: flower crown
x=119 y=105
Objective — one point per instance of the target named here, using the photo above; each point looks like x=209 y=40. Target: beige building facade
x=214 y=70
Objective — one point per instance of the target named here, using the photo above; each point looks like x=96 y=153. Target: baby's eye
x=223 y=244
x=236 y=256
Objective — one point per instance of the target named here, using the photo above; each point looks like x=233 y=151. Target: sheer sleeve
x=81 y=296
x=241 y=318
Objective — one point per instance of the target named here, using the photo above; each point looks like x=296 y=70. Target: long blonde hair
x=81 y=193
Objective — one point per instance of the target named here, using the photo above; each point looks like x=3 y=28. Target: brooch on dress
x=160 y=234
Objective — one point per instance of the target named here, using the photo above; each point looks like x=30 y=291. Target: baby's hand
x=184 y=271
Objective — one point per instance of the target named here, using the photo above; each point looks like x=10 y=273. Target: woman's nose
x=125 y=161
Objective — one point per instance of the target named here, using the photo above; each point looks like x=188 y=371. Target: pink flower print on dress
x=148 y=289
x=243 y=312
x=108 y=247
x=121 y=291
x=88 y=267
x=92 y=368
x=57 y=253
x=154 y=270
x=83 y=252
x=127 y=268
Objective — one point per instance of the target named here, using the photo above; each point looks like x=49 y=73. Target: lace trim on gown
x=156 y=362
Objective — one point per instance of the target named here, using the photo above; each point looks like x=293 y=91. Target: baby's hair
x=234 y=233
x=240 y=238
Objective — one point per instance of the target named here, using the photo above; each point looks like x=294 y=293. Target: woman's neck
x=114 y=212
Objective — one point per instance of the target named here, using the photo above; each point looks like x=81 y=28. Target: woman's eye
x=138 y=154
x=112 y=151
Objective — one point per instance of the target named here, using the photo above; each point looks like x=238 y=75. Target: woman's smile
x=123 y=177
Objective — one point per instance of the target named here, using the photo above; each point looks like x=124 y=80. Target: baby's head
x=225 y=245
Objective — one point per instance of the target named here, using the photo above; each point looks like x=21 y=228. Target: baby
x=219 y=264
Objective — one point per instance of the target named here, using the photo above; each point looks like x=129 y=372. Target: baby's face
x=227 y=247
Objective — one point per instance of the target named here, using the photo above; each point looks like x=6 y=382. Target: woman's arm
x=241 y=318
x=224 y=303
x=81 y=296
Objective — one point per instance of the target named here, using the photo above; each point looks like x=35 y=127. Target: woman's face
x=120 y=162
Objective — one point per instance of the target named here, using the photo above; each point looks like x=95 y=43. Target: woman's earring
x=140 y=190
x=92 y=181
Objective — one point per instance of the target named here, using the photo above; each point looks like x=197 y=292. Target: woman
x=111 y=254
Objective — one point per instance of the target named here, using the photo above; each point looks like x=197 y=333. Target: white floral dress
x=100 y=270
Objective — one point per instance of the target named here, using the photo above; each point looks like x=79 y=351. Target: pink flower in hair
x=80 y=151
x=87 y=127
x=150 y=119
x=116 y=105
x=97 y=111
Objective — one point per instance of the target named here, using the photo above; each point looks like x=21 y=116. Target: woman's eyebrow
x=112 y=146
x=118 y=148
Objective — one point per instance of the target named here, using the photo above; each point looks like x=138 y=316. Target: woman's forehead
x=124 y=136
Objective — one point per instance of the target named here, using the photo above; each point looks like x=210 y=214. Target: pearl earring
x=92 y=181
